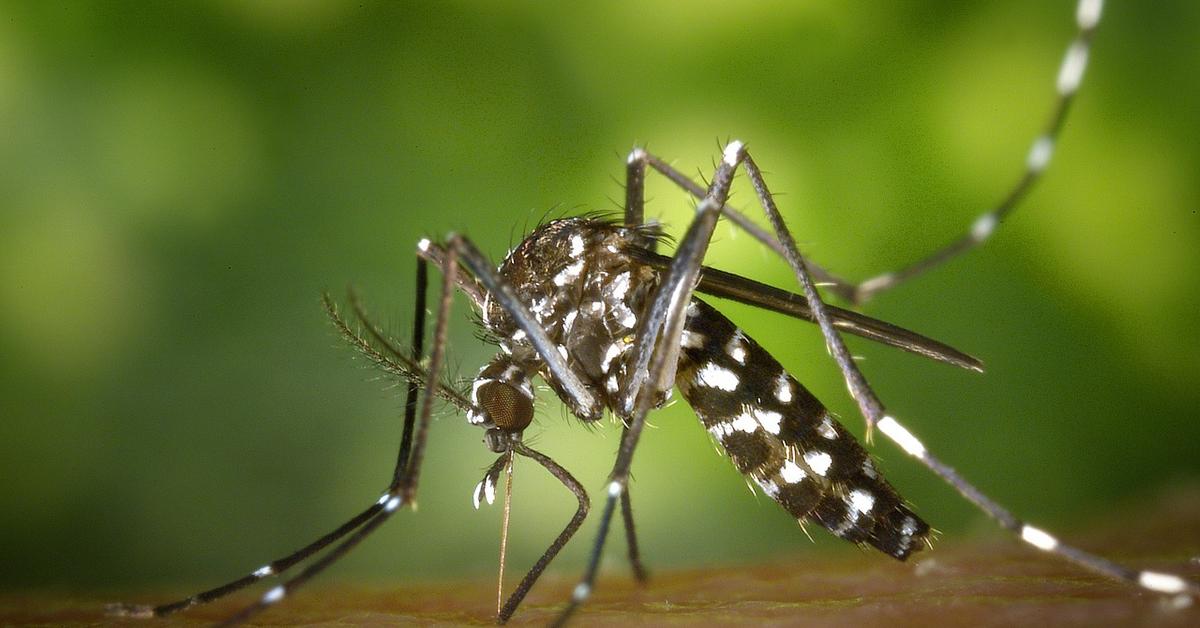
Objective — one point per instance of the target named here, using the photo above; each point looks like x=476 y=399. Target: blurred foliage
x=182 y=180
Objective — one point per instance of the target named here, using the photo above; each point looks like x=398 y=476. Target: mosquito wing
x=727 y=285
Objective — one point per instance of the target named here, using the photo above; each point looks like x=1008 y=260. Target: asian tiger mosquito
x=590 y=306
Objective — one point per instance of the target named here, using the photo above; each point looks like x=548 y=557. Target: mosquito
x=589 y=306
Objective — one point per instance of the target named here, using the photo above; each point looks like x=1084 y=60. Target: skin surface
x=985 y=582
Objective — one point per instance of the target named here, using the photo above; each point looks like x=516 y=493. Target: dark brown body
x=590 y=295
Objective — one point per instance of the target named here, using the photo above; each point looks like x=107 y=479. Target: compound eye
x=509 y=408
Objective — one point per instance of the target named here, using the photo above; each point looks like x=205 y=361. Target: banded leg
x=875 y=414
x=635 y=203
x=406 y=368
x=1067 y=82
x=488 y=284
x=403 y=489
x=1070 y=76
x=657 y=353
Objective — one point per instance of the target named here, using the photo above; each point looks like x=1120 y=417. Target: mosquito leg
x=272 y=568
x=842 y=287
x=436 y=255
x=403 y=489
x=1070 y=75
x=284 y=563
x=635 y=203
x=658 y=345
x=862 y=393
x=408 y=480
x=876 y=415
x=563 y=537
x=410 y=395
x=635 y=555
x=415 y=353
x=635 y=188
x=631 y=542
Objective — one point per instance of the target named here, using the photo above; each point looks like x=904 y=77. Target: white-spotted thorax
x=574 y=276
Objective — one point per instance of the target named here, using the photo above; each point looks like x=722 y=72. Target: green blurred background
x=182 y=180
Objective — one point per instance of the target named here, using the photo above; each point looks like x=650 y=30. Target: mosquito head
x=503 y=402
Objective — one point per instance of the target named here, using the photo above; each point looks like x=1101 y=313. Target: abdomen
x=777 y=433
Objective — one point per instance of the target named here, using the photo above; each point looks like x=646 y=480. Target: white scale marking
x=392 y=504
x=714 y=376
x=826 y=429
x=1038 y=538
x=263 y=572
x=875 y=283
x=769 y=419
x=721 y=429
x=783 y=388
x=983 y=227
x=691 y=339
x=477 y=384
x=581 y=592
x=1162 y=582
x=568 y=274
x=620 y=286
x=791 y=472
x=477 y=496
x=907 y=529
x=614 y=488
x=489 y=490
x=868 y=469
x=511 y=372
x=818 y=461
x=745 y=423
x=615 y=349
x=732 y=151
x=1039 y=154
x=861 y=501
x=423 y=244
x=569 y=321
x=576 y=245
x=1088 y=13
x=518 y=335
x=903 y=437
x=1073 y=65
x=274 y=595
x=628 y=320
x=736 y=347
x=768 y=487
